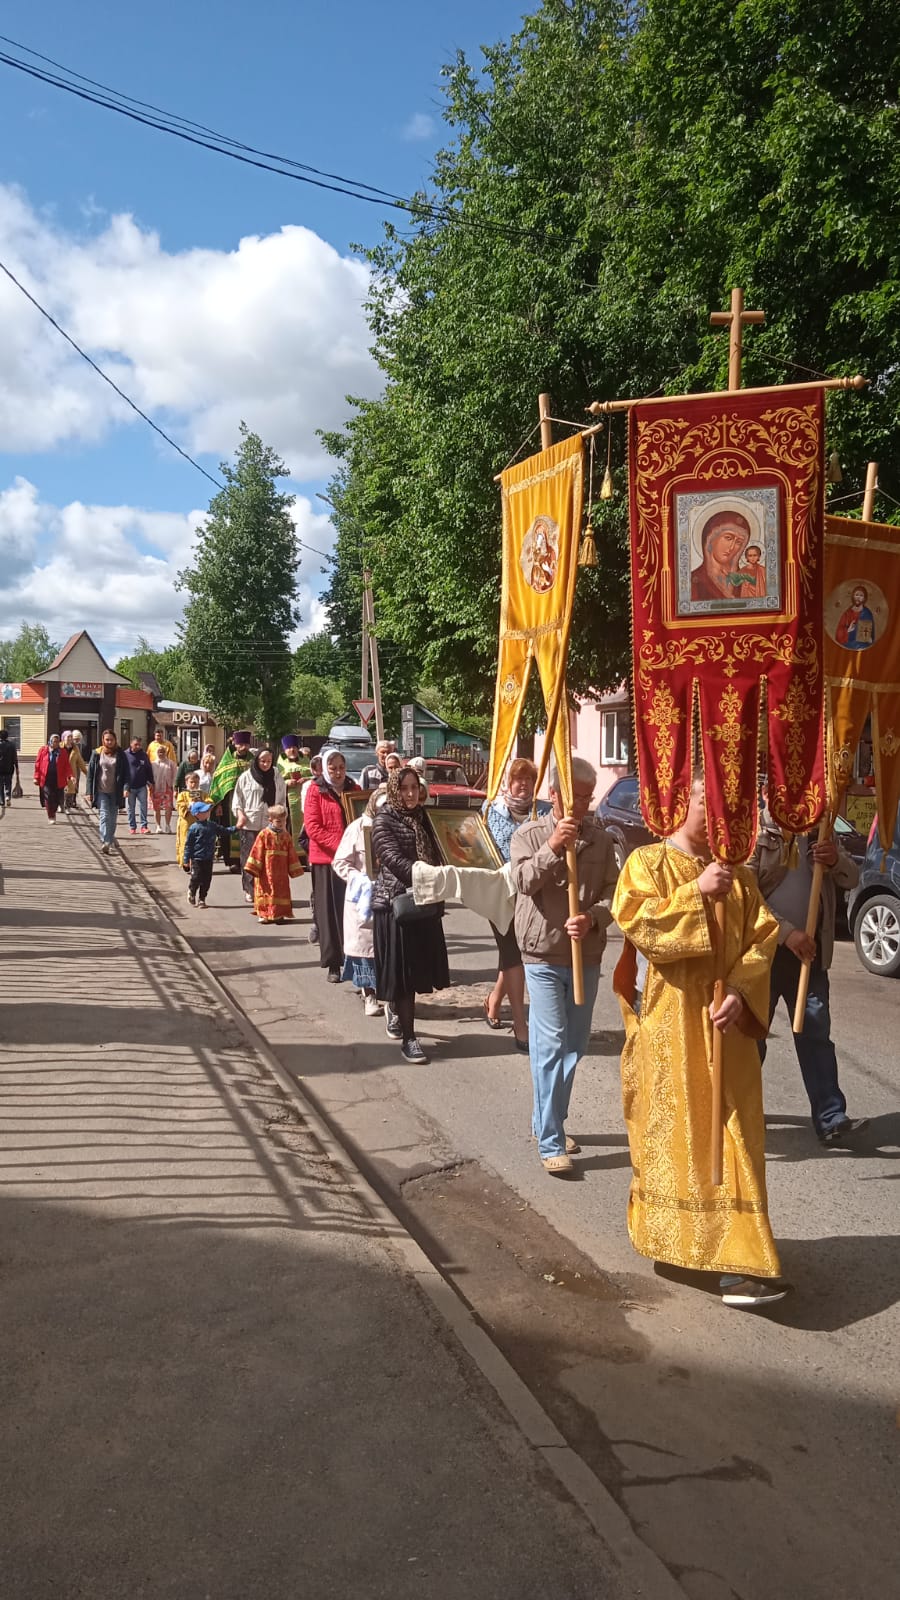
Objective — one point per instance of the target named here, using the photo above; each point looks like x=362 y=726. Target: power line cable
x=105 y=376
x=127 y=398
x=188 y=122
x=285 y=167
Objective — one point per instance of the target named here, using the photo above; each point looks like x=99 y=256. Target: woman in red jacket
x=325 y=822
x=51 y=773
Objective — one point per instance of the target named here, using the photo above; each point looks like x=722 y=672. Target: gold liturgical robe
x=674 y=1212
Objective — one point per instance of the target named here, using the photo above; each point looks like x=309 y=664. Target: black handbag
x=17 y=790
x=406 y=910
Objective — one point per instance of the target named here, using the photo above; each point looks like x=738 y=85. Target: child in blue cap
x=200 y=849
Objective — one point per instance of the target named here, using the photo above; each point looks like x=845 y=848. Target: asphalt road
x=757 y=1455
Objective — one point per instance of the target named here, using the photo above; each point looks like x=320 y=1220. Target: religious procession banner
x=542 y=503
x=862 y=656
x=726 y=513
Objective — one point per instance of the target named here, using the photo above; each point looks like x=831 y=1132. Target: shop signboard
x=10 y=691
x=81 y=691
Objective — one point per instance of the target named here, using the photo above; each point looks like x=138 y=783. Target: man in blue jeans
x=559 y=1030
x=785 y=880
x=140 y=778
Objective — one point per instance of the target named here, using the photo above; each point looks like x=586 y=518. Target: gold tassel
x=607 y=487
x=833 y=473
x=587 y=553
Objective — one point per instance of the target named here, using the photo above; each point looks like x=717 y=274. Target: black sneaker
x=843 y=1130
x=392 y=1024
x=192 y=898
x=748 y=1294
x=411 y=1050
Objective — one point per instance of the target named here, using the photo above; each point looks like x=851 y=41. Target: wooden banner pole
x=826 y=826
x=544 y=410
x=601 y=408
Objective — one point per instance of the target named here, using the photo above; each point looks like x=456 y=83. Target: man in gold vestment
x=664 y=904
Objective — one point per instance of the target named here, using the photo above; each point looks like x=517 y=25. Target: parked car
x=873 y=907
x=619 y=812
x=355 y=745
x=854 y=843
x=449 y=786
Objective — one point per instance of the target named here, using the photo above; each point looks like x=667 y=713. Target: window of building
x=124 y=733
x=616 y=738
x=13 y=726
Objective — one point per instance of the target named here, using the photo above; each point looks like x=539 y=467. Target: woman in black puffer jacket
x=410 y=959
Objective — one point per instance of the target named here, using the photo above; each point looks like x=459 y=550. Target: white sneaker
x=158 y=828
x=372 y=1007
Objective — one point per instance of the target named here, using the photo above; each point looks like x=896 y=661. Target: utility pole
x=370 y=653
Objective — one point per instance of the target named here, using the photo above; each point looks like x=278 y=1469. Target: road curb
x=647 y=1575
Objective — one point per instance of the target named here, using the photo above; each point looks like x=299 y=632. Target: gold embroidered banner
x=726 y=585
x=862 y=656
x=542 y=503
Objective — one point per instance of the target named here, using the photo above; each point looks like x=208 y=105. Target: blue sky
x=131 y=238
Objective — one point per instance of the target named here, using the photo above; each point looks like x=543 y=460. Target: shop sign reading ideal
x=190 y=719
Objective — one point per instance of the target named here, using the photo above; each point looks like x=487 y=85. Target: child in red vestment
x=272 y=863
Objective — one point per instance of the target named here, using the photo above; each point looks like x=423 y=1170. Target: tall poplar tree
x=610 y=172
x=243 y=594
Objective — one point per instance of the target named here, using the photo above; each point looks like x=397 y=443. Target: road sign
x=365 y=710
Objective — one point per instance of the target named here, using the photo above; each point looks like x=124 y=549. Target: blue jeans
x=558 y=1035
x=109 y=816
x=137 y=798
x=815 y=1051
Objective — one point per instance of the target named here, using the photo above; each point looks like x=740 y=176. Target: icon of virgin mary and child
x=732 y=566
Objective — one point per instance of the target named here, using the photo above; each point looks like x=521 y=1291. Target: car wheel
x=876 y=934
x=619 y=852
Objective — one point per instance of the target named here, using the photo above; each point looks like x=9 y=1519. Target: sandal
x=491 y=1021
x=557 y=1166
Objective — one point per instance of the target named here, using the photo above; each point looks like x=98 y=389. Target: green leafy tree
x=169 y=667
x=243 y=594
x=31 y=651
x=318 y=700
x=611 y=172
x=321 y=656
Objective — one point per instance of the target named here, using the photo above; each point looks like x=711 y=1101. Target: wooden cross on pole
x=736 y=319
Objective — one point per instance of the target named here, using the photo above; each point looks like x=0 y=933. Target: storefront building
x=189 y=727
x=79 y=690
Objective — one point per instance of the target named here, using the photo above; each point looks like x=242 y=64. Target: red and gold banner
x=862 y=655
x=542 y=504
x=726 y=573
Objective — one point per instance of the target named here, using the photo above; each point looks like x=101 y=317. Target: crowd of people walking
x=378 y=895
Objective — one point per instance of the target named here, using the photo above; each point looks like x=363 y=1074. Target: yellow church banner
x=862 y=656
x=542 y=503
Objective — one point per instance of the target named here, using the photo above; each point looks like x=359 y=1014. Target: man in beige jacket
x=558 y=1029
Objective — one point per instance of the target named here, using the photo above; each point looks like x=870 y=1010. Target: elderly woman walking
x=260 y=787
x=51 y=774
x=324 y=821
x=410 y=952
x=77 y=770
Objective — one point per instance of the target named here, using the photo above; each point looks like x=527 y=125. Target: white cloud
x=419 y=126
x=273 y=332
x=112 y=569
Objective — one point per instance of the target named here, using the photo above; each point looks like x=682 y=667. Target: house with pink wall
x=600 y=732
